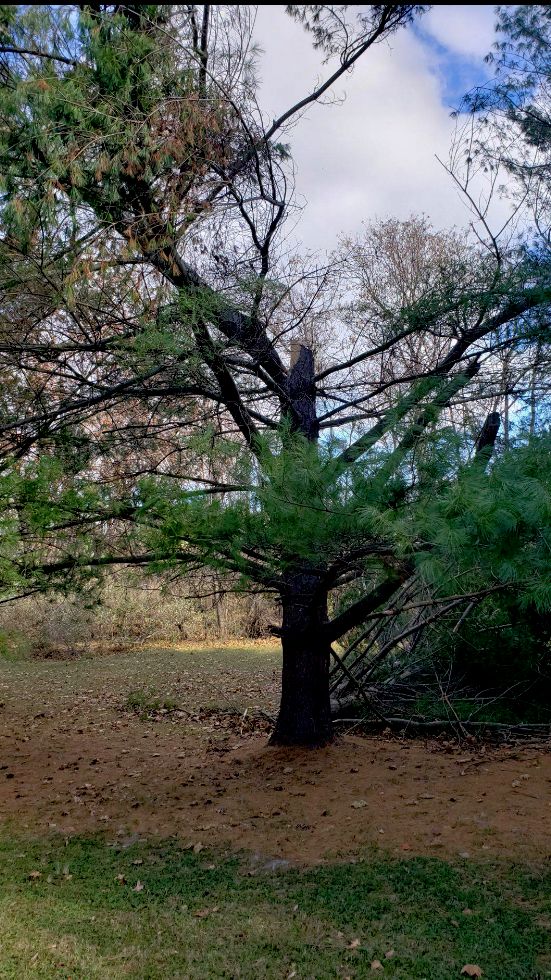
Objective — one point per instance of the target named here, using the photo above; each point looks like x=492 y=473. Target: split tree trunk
x=305 y=711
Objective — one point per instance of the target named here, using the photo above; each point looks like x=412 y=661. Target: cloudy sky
x=373 y=153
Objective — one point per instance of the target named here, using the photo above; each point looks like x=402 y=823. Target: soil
x=211 y=780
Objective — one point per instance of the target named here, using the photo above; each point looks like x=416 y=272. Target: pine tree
x=179 y=395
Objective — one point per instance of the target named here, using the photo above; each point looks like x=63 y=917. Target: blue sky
x=372 y=153
x=459 y=37
x=456 y=73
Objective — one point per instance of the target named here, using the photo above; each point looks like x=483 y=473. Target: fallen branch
x=443 y=725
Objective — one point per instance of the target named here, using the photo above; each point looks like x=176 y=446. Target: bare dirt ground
x=75 y=757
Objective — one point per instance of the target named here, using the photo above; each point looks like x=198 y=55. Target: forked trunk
x=305 y=711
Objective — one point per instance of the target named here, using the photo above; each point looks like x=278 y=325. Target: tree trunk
x=305 y=711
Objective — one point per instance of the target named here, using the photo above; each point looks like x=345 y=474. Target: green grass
x=144 y=702
x=13 y=647
x=78 y=920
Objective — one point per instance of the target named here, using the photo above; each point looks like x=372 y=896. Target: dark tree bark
x=301 y=391
x=486 y=440
x=305 y=711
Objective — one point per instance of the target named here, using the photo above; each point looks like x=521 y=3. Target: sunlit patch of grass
x=87 y=908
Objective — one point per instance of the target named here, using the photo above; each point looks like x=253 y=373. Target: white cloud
x=373 y=155
x=465 y=29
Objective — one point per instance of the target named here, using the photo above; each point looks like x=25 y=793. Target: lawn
x=92 y=907
x=147 y=831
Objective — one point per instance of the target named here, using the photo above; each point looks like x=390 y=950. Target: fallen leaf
x=377 y=965
x=121 y=879
x=35 y=874
x=138 y=887
x=389 y=954
x=359 y=804
x=197 y=848
x=471 y=970
x=354 y=944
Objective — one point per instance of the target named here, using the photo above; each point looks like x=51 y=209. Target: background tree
x=161 y=406
x=512 y=112
x=501 y=151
